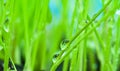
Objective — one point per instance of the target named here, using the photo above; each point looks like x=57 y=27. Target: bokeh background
x=33 y=33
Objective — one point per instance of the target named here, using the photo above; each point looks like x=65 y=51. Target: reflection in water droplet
x=63 y=44
x=55 y=57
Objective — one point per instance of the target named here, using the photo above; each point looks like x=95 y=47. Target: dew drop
x=55 y=57
x=6 y=28
x=63 y=44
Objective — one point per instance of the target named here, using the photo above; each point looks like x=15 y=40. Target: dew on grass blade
x=55 y=57
x=6 y=28
x=63 y=44
x=10 y=65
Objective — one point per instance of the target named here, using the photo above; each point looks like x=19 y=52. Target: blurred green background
x=38 y=35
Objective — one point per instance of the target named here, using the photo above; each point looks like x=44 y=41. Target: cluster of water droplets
x=4 y=26
x=63 y=46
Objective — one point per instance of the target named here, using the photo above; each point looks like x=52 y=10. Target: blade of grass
x=87 y=25
x=26 y=33
x=73 y=60
x=116 y=55
x=13 y=64
x=66 y=64
x=94 y=17
x=7 y=33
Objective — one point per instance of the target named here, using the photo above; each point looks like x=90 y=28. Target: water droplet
x=63 y=44
x=55 y=57
x=6 y=28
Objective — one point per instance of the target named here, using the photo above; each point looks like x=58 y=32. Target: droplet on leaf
x=55 y=57
x=6 y=28
x=63 y=44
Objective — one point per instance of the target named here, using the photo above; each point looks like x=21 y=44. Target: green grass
x=31 y=38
